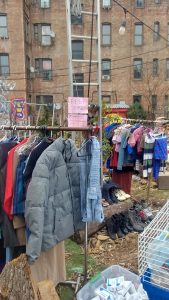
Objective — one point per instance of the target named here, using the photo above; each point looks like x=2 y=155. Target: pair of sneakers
x=121 y=195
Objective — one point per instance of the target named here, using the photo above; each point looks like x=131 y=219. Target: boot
x=128 y=223
x=113 y=196
x=111 y=229
x=117 y=221
x=123 y=227
x=135 y=221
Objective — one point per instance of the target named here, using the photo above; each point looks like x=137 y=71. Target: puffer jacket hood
x=53 y=211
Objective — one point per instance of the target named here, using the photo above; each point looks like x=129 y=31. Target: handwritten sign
x=77 y=105
x=79 y=121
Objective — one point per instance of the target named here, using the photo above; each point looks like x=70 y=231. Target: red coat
x=9 y=181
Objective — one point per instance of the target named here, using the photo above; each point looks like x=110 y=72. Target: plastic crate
x=154 y=292
x=87 y=292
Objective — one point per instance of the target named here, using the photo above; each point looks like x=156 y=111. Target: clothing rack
x=49 y=128
x=146 y=121
x=58 y=129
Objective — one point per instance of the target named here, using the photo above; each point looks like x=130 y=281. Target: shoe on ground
x=119 y=196
x=135 y=221
x=111 y=229
x=127 y=196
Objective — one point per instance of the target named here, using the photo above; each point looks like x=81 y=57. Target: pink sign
x=79 y=121
x=77 y=105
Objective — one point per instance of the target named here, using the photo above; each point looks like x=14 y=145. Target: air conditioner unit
x=106 y=77
x=52 y=34
x=106 y=4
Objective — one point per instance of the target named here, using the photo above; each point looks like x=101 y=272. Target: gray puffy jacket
x=53 y=211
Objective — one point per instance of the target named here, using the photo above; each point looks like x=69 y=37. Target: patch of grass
x=75 y=260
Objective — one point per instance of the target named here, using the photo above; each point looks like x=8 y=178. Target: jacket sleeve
x=37 y=196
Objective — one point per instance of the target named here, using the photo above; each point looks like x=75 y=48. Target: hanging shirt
x=148 y=155
x=9 y=182
x=160 y=154
x=33 y=157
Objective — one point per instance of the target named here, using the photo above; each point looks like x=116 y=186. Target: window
x=157 y=31
x=139 y=3
x=44 y=3
x=43 y=68
x=106 y=69
x=106 y=3
x=42 y=34
x=137 y=65
x=154 y=102
x=136 y=98
x=77 y=20
x=3 y=26
x=26 y=30
x=155 y=67
x=166 y=106
x=106 y=34
x=78 y=90
x=77 y=49
x=138 y=34
x=157 y=1
x=167 y=68
x=106 y=99
x=28 y=66
x=4 y=64
x=45 y=99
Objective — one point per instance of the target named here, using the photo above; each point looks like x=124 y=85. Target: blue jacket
x=91 y=199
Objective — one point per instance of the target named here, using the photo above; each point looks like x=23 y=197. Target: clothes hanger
x=82 y=147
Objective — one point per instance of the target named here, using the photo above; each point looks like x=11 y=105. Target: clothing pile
x=135 y=219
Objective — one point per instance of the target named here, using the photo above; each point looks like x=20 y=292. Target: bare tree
x=153 y=89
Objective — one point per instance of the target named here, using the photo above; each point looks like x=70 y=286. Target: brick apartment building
x=135 y=66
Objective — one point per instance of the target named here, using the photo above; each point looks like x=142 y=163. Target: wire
x=91 y=48
x=111 y=69
x=134 y=16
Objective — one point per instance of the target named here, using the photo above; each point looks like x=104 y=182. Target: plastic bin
x=87 y=292
x=154 y=292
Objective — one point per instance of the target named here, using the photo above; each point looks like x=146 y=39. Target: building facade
x=135 y=65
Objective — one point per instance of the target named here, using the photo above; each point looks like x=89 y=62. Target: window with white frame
x=138 y=34
x=157 y=1
x=78 y=90
x=106 y=3
x=42 y=34
x=44 y=3
x=106 y=34
x=106 y=69
x=77 y=49
x=43 y=68
x=4 y=64
x=3 y=26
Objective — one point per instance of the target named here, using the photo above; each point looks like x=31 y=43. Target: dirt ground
x=124 y=251
x=104 y=252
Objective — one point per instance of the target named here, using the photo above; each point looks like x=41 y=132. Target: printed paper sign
x=78 y=105
x=79 y=121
